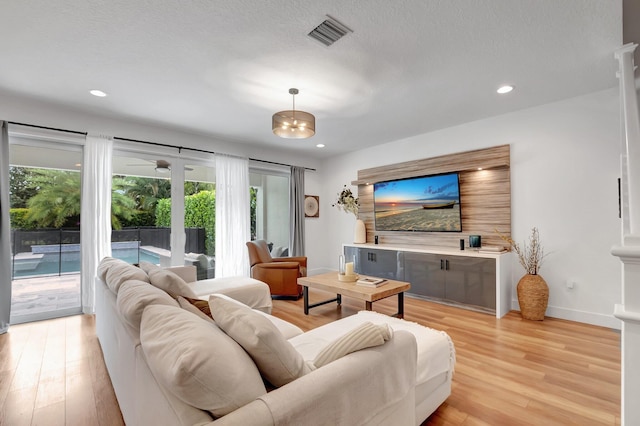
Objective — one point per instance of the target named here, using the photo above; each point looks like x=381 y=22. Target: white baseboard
x=592 y=318
x=318 y=271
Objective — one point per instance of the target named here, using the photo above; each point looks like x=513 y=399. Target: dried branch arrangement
x=347 y=202
x=531 y=254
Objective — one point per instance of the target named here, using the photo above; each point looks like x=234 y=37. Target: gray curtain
x=296 y=211
x=5 y=231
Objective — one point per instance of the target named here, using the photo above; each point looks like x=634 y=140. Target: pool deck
x=33 y=296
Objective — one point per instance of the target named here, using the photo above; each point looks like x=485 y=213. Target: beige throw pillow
x=276 y=358
x=198 y=362
x=171 y=283
x=148 y=266
x=116 y=272
x=364 y=336
x=134 y=296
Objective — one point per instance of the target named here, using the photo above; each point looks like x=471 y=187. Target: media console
x=468 y=278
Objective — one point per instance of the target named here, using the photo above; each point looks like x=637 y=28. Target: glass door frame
x=55 y=140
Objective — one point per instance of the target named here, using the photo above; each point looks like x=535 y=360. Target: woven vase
x=533 y=297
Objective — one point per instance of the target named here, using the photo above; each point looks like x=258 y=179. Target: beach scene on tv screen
x=429 y=203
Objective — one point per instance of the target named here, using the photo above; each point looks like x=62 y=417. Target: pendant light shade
x=292 y=124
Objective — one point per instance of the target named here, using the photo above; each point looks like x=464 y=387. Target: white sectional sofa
x=400 y=382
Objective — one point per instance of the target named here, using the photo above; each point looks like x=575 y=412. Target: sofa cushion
x=364 y=336
x=171 y=283
x=276 y=359
x=104 y=265
x=116 y=272
x=287 y=329
x=148 y=266
x=197 y=306
x=134 y=296
x=197 y=362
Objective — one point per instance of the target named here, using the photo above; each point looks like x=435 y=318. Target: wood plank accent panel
x=485 y=196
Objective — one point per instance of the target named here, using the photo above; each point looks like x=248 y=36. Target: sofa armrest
x=369 y=387
x=187 y=273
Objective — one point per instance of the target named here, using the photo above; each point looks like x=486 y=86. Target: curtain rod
x=179 y=148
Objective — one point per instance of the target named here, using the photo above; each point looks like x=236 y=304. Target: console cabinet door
x=471 y=280
x=426 y=274
x=378 y=263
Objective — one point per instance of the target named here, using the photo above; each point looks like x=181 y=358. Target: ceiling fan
x=161 y=166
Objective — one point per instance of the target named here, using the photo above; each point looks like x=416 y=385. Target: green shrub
x=18 y=219
x=200 y=212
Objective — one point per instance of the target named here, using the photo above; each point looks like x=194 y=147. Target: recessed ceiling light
x=504 y=89
x=98 y=93
x=320 y=145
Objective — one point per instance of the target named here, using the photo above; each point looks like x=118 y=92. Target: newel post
x=629 y=251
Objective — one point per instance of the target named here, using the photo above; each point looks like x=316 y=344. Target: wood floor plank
x=50 y=415
x=508 y=372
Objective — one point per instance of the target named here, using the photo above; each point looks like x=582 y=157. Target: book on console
x=371 y=282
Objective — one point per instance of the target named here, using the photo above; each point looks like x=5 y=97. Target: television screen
x=427 y=203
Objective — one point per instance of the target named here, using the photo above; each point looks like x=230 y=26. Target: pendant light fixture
x=292 y=124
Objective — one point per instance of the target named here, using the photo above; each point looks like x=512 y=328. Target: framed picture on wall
x=311 y=206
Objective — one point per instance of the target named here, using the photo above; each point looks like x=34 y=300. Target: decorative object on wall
x=311 y=206
x=292 y=124
x=533 y=291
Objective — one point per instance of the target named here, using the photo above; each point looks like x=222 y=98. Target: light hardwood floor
x=508 y=371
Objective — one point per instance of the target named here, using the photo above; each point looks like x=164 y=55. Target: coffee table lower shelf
x=329 y=282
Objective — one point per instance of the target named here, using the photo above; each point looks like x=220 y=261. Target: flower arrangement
x=531 y=254
x=347 y=202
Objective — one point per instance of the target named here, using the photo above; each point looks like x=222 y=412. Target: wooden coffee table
x=329 y=282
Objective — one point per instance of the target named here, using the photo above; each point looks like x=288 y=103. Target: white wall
x=564 y=170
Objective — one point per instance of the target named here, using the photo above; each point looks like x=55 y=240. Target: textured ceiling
x=222 y=68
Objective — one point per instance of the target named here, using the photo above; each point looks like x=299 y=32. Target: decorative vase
x=533 y=297
x=360 y=235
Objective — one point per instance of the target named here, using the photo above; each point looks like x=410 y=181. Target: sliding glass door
x=45 y=228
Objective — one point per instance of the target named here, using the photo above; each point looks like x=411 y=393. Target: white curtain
x=233 y=228
x=95 y=213
x=5 y=231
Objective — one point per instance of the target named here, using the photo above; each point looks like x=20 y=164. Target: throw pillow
x=275 y=357
x=148 y=266
x=197 y=306
x=116 y=272
x=134 y=296
x=364 y=336
x=171 y=283
x=198 y=362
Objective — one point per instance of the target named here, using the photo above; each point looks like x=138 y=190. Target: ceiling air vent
x=330 y=31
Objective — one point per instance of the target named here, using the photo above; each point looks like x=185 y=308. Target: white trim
x=602 y=320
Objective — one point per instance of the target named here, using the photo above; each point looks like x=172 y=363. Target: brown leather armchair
x=279 y=273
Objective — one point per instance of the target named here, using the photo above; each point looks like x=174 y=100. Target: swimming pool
x=68 y=262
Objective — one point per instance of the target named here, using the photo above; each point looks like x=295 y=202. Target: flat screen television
x=422 y=204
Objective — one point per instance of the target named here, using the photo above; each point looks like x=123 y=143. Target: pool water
x=69 y=262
